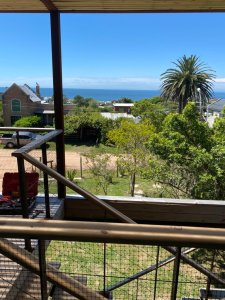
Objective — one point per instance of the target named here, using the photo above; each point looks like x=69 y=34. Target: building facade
x=22 y=101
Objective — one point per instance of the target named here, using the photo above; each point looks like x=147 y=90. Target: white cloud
x=89 y=82
x=112 y=82
x=219 y=84
x=220 y=80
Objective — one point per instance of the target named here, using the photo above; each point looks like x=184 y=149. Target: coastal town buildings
x=21 y=101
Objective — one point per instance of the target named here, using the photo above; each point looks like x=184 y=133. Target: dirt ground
x=8 y=163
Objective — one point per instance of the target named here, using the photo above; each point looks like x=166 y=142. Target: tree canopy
x=188 y=81
x=29 y=121
x=152 y=112
x=132 y=140
x=190 y=160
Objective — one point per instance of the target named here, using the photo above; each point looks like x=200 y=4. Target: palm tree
x=184 y=82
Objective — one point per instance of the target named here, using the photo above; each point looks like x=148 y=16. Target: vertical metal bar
x=209 y=280
x=156 y=273
x=46 y=187
x=176 y=274
x=42 y=264
x=137 y=289
x=17 y=139
x=58 y=96
x=104 y=279
x=23 y=196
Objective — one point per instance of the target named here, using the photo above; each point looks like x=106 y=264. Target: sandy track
x=8 y=163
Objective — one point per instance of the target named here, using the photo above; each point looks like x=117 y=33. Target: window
x=16 y=106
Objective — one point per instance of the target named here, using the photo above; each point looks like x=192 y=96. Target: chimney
x=38 y=90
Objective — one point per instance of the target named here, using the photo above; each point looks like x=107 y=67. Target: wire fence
x=116 y=269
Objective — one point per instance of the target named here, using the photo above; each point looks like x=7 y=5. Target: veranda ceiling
x=112 y=5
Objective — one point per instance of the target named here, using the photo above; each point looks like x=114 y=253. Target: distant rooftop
x=27 y=90
x=123 y=104
x=217 y=106
x=114 y=116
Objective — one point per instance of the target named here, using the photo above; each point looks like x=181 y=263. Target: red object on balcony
x=11 y=185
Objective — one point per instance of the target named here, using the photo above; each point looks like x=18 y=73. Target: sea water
x=108 y=94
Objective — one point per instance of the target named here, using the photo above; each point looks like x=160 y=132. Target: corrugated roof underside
x=113 y=5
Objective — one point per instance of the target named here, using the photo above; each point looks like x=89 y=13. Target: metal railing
x=99 y=243
x=131 y=233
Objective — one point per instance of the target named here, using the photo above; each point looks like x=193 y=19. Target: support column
x=58 y=96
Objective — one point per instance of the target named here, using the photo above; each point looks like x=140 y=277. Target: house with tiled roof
x=21 y=101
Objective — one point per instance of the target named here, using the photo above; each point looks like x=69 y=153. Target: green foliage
x=99 y=165
x=132 y=140
x=181 y=83
x=85 y=104
x=29 y=121
x=73 y=122
x=188 y=160
x=154 y=113
x=219 y=130
x=212 y=259
x=124 y=100
x=70 y=174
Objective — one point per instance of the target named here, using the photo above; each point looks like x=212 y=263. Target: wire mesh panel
x=126 y=271
x=117 y=271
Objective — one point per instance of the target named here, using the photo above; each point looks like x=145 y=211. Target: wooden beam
x=49 y=4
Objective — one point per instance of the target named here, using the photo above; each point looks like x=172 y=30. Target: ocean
x=108 y=94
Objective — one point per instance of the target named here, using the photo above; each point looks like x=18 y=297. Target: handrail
x=89 y=196
x=33 y=129
x=119 y=233
x=30 y=261
x=185 y=236
x=37 y=143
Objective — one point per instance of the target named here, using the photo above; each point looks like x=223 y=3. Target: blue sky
x=117 y=51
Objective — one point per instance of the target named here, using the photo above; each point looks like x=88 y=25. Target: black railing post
x=42 y=265
x=46 y=187
x=176 y=269
x=104 y=280
x=17 y=139
x=58 y=96
x=23 y=195
x=156 y=273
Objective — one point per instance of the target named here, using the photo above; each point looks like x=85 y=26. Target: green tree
x=29 y=121
x=153 y=113
x=181 y=83
x=190 y=161
x=132 y=139
x=75 y=122
x=124 y=100
x=99 y=166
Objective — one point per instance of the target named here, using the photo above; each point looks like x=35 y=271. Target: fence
x=103 y=260
x=137 y=269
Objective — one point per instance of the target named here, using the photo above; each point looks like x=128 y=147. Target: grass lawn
x=118 y=187
x=122 y=261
